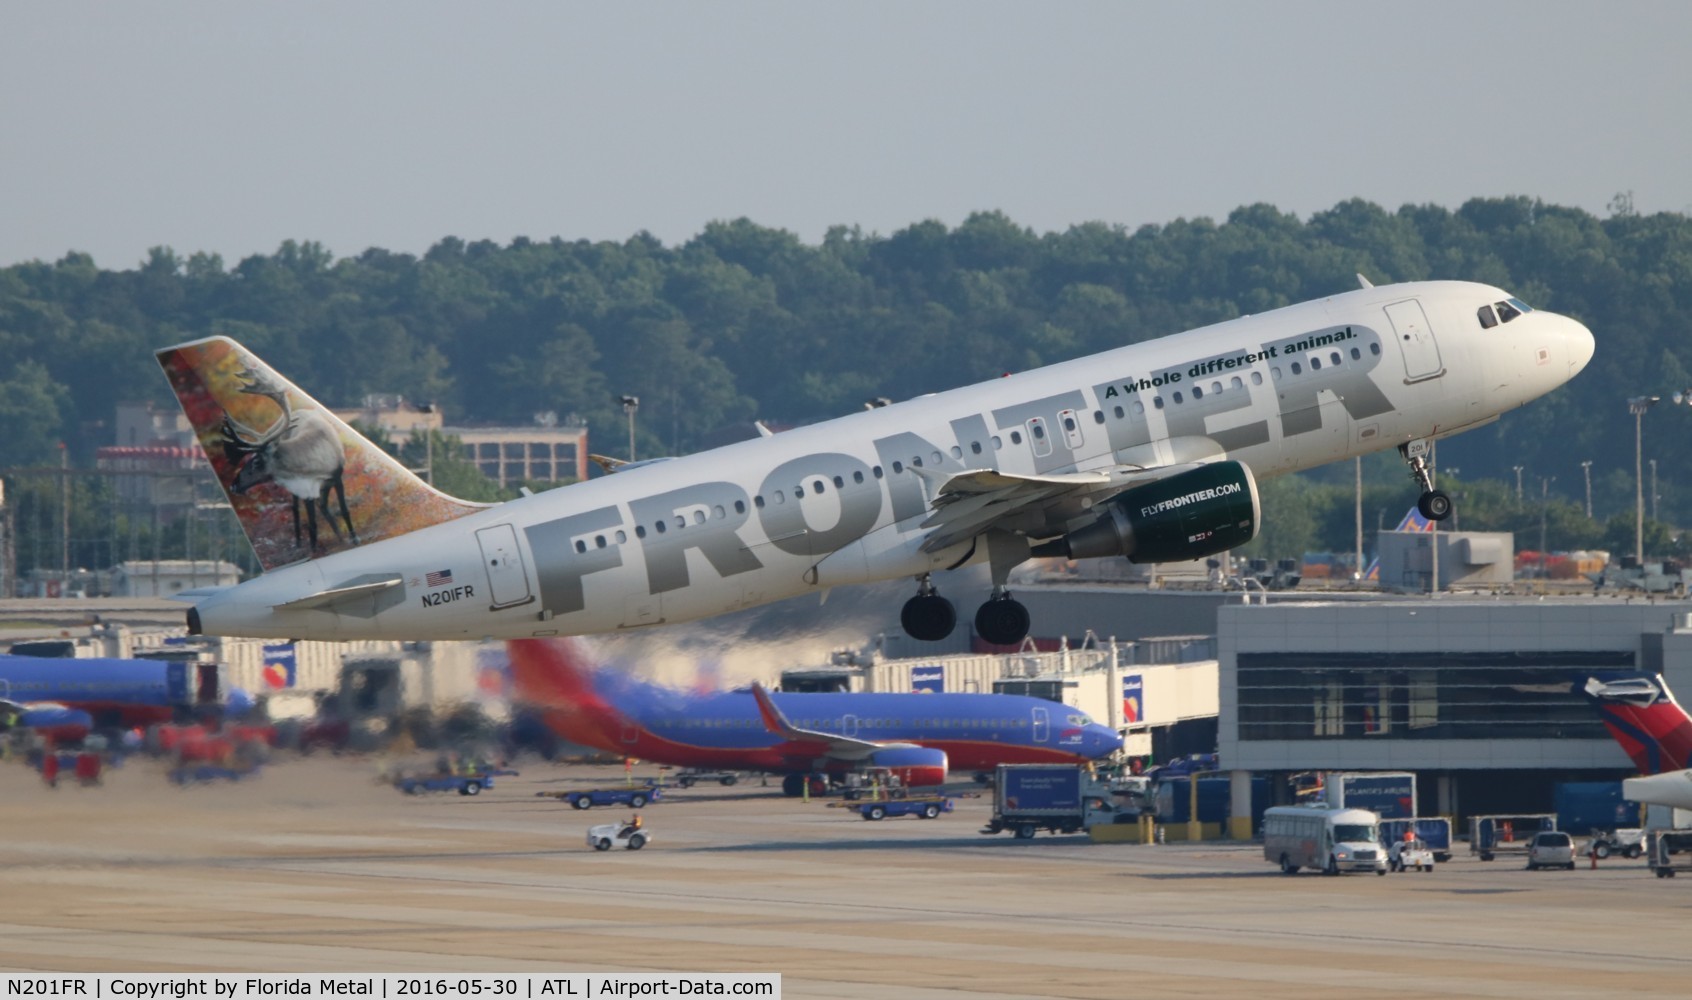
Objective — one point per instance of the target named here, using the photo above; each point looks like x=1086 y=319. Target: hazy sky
x=231 y=127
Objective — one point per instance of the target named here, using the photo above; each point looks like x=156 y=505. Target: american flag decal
x=439 y=577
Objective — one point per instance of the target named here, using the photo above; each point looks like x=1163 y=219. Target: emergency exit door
x=508 y=581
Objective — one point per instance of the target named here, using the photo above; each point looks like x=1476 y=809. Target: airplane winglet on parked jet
x=833 y=744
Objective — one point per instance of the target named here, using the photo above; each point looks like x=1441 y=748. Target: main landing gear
x=928 y=616
x=1003 y=620
x=1432 y=504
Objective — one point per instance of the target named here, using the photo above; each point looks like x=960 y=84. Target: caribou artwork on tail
x=300 y=452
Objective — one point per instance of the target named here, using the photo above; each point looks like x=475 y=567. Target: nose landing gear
x=1433 y=504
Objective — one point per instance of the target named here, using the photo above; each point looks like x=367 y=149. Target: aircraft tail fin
x=1642 y=715
x=302 y=483
x=558 y=677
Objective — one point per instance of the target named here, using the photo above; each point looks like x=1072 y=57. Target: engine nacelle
x=913 y=765
x=1193 y=514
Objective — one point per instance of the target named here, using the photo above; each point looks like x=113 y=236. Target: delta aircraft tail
x=1644 y=718
x=302 y=482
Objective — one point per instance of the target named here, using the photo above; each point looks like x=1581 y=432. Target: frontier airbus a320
x=1149 y=451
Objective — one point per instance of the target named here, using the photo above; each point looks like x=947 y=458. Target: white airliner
x=1149 y=451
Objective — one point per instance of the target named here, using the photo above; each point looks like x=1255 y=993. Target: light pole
x=1653 y=464
x=630 y=405
x=1586 y=470
x=1637 y=406
x=1519 y=469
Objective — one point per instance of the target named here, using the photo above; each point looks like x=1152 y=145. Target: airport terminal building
x=1481 y=697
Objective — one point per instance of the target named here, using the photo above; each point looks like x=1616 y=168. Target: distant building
x=164 y=577
x=543 y=451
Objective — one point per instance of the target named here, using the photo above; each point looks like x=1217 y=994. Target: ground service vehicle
x=586 y=798
x=463 y=784
x=1404 y=855
x=1433 y=831
x=1062 y=798
x=1550 y=849
x=926 y=807
x=1490 y=836
x=1668 y=851
x=693 y=776
x=630 y=834
x=1322 y=837
x=1628 y=843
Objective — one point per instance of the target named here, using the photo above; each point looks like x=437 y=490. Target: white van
x=1327 y=839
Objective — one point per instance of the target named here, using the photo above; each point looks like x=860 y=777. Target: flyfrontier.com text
x=1225 y=490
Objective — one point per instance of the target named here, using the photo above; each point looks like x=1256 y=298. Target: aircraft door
x=1037 y=438
x=508 y=581
x=1042 y=725
x=1415 y=340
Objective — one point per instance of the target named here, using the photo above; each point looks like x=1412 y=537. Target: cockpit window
x=1507 y=312
x=1488 y=318
x=1519 y=304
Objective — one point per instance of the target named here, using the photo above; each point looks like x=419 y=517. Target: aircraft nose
x=1580 y=346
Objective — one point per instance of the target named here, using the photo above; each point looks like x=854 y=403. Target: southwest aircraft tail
x=1644 y=718
x=302 y=482
x=557 y=676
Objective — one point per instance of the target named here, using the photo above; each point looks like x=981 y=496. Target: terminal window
x=1298 y=696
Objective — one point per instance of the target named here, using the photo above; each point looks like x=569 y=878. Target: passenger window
x=740 y=506
x=1356 y=355
x=719 y=512
x=1016 y=437
x=839 y=484
x=1198 y=393
x=1335 y=357
x=758 y=501
x=1139 y=407
x=936 y=457
x=916 y=462
x=956 y=453
x=1119 y=413
x=1375 y=349
x=780 y=497
x=1256 y=378
x=581 y=546
x=640 y=531
x=1217 y=386
x=1177 y=397
x=1157 y=402
x=1297 y=369
x=1098 y=416
x=876 y=472
x=857 y=477
x=975 y=447
x=622 y=536
x=1235 y=383
x=661 y=527
x=1315 y=365
x=1038 y=431
x=997 y=444
x=1068 y=423
x=898 y=467
x=1276 y=371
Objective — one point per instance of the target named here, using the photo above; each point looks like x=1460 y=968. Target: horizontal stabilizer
x=344 y=596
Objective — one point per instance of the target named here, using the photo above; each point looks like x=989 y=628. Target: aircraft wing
x=825 y=744
x=967 y=504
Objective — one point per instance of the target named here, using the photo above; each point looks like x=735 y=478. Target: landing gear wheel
x=1434 y=505
x=1002 y=621
x=928 y=617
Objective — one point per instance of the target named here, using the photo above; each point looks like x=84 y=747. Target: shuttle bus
x=1332 y=840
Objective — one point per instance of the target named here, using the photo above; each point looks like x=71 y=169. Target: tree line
x=745 y=321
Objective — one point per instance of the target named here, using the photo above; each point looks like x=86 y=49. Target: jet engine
x=913 y=765
x=1189 y=515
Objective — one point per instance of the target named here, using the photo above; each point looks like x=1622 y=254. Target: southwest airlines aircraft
x=917 y=736
x=1150 y=451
